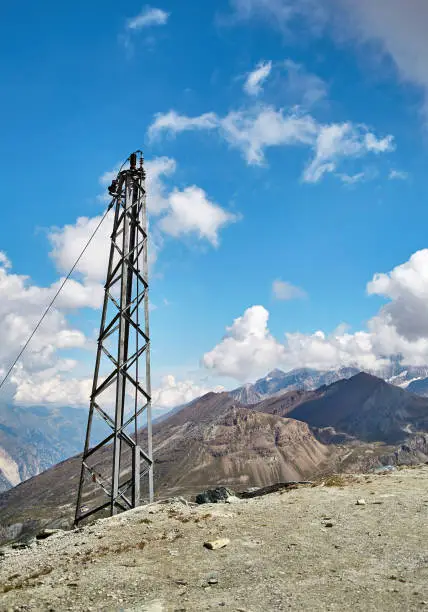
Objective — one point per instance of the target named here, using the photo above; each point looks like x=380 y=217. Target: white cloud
x=174 y=393
x=148 y=17
x=157 y=170
x=398 y=175
x=337 y=141
x=399 y=328
x=247 y=349
x=53 y=389
x=174 y=123
x=21 y=306
x=254 y=130
x=69 y=241
x=407 y=288
x=251 y=131
x=256 y=78
x=282 y=290
x=190 y=211
x=182 y=212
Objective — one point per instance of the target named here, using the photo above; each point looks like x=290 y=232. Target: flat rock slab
x=215 y=544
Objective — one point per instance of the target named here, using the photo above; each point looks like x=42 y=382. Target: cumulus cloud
x=173 y=393
x=247 y=349
x=51 y=388
x=21 y=305
x=282 y=290
x=406 y=286
x=256 y=78
x=181 y=212
x=400 y=328
x=190 y=211
x=68 y=242
x=149 y=16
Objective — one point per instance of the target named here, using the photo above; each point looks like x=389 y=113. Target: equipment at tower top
x=113 y=468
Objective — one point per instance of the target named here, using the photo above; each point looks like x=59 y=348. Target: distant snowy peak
x=277 y=381
x=412 y=378
x=402 y=375
x=246 y=395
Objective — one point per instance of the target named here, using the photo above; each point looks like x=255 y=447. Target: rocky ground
x=311 y=548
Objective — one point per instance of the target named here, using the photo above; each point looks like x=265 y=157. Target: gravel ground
x=312 y=548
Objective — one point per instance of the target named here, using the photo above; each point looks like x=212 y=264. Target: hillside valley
x=32 y=439
x=352 y=425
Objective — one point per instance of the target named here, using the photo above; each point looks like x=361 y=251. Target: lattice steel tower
x=113 y=468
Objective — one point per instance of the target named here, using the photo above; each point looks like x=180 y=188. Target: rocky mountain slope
x=209 y=442
x=367 y=408
x=216 y=440
x=32 y=439
x=311 y=548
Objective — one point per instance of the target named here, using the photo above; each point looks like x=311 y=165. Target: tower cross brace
x=112 y=468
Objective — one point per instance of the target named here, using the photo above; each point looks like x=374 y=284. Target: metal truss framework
x=124 y=340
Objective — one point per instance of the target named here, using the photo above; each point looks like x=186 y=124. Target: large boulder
x=213 y=496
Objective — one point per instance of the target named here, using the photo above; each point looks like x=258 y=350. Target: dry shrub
x=336 y=480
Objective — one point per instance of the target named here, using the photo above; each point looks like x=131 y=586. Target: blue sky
x=237 y=202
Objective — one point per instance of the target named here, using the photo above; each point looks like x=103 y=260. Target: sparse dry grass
x=21 y=582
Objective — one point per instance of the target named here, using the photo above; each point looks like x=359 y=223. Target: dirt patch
x=309 y=548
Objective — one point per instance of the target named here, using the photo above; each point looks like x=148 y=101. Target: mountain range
x=415 y=378
x=34 y=438
x=354 y=424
